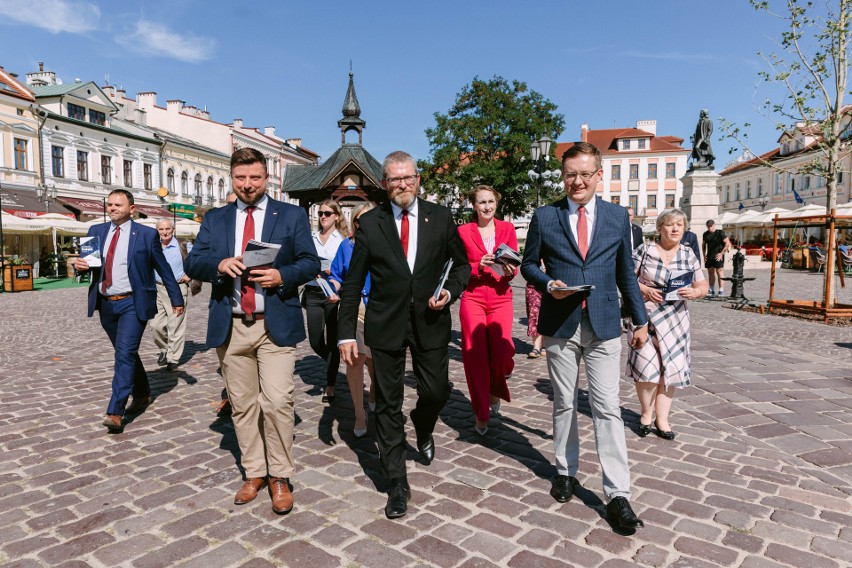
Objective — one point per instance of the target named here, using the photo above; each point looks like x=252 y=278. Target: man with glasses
x=404 y=244
x=584 y=240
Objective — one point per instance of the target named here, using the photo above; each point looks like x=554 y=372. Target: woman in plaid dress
x=662 y=364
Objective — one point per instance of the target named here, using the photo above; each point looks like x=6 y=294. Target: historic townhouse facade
x=641 y=169
x=85 y=155
x=19 y=143
x=775 y=178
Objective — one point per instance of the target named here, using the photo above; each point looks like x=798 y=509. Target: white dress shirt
x=326 y=252
x=259 y=215
x=590 y=218
x=120 y=277
x=412 y=229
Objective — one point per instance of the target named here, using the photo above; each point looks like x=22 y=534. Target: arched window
x=197 y=193
x=184 y=184
x=221 y=189
x=170 y=180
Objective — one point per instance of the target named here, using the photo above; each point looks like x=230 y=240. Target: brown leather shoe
x=249 y=490
x=112 y=422
x=282 y=499
x=138 y=405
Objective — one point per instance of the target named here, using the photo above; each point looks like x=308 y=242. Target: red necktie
x=582 y=231
x=582 y=235
x=403 y=232
x=246 y=287
x=108 y=262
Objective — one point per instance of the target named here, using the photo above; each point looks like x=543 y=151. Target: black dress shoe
x=666 y=435
x=644 y=429
x=563 y=488
x=426 y=449
x=161 y=360
x=620 y=513
x=398 y=497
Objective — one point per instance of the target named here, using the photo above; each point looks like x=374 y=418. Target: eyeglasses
x=585 y=176
x=326 y=213
x=397 y=181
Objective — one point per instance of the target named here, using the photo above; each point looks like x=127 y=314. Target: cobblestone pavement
x=760 y=474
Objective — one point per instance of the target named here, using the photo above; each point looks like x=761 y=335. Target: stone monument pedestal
x=700 y=200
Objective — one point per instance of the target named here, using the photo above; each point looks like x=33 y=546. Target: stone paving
x=760 y=474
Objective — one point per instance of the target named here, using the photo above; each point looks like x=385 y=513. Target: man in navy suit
x=635 y=231
x=124 y=292
x=255 y=320
x=584 y=240
x=690 y=239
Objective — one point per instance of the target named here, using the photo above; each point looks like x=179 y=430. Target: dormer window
x=641 y=143
x=76 y=112
x=625 y=144
x=96 y=117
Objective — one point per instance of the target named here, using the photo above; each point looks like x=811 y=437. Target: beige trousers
x=259 y=377
x=169 y=329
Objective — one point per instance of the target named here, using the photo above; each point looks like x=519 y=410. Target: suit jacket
x=475 y=247
x=297 y=263
x=636 y=231
x=690 y=239
x=144 y=255
x=394 y=287
x=608 y=266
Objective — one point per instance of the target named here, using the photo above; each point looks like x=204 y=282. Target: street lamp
x=47 y=194
x=540 y=153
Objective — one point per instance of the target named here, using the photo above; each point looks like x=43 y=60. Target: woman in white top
x=320 y=312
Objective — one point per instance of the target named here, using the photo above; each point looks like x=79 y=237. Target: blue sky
x=286 y=63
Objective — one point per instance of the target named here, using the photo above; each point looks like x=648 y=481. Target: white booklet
x=325 y=287
x=580 y=288
x=90 y=250
x=678 y=280
x=507 y=255
x=443 y=279
x=258 y=253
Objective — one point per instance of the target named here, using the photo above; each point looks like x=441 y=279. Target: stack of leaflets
x=443 y=278
x=326 y=287
x=507 y=255
x=90 y=250
x=580 y=288
x=676 y=282
x=258 y=253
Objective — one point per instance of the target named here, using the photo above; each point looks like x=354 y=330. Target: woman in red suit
x=486 y=312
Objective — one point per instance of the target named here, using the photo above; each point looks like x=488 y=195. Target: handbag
x=624 y=314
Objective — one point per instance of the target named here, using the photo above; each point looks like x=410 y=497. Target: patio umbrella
x=727 y=218
x=14 y=225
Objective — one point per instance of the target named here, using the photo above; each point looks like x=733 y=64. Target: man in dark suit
x=404 y=244
x=635 y=231
x=124 y=292
x=690 y=239
x=255 y=320
x=584 y=240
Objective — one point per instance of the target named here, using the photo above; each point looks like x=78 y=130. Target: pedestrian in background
x=321 y=313
x=355 y=371
x=485 y=311
x=170 y=328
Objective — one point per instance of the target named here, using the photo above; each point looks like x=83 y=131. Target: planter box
x=18 y=278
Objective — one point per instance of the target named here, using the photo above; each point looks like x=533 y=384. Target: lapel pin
x=425 y=219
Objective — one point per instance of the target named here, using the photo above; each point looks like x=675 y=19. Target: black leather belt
x=248 y=318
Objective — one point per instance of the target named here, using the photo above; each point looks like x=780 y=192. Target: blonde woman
x=663 y=363
x=321 y=312
x=355 y=372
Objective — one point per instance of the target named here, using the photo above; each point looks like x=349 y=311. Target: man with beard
x=404 y=244
x=255 y=320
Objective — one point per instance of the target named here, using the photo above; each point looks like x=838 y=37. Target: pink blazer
x=474 y=246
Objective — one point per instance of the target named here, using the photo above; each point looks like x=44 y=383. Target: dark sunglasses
x=326 y=213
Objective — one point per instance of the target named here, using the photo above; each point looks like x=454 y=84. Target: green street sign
x=182 y=210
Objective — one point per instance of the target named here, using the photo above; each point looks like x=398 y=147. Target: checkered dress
x=666 y=353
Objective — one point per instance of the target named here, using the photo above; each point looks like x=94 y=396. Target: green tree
x=485 y=138
x=812 y=66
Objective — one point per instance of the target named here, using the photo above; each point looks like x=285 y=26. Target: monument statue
x=702 y=151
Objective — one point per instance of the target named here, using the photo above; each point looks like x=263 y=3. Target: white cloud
x=673 y=56
x=152 y=38
x=54 y=16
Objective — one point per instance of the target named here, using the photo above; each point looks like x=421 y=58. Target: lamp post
x=47 y=194
x=540 y=153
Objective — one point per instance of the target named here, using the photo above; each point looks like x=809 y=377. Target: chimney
x=647 y=126
x=174 y=105
x=140 y=117
x=238 y=123
x=109 y=90
x=122 y=94
x=41 y=66
x=294 y=142
x=269 y=130
x=584 y=133
x=146 y=100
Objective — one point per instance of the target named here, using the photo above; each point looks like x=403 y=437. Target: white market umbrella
x=727 y=218
x=806 y=211
x=14 y=225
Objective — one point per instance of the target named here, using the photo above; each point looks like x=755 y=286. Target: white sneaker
x=711 y=293
x=720 y=294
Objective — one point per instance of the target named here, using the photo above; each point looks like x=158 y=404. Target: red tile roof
x=15 y=88
x=758 y=161
x=606 y=142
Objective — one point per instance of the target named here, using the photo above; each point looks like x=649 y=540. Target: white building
x=640 y=169
x=85 y=156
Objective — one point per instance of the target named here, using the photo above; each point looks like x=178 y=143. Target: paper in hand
x=90 y=250
x=445 y=272
x=258 y=253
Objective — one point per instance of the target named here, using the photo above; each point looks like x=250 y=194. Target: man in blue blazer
x=255 y=320
x=124 y=292
x=584 y=240
x=690 y=239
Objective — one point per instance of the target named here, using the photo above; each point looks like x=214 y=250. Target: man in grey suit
x=584 y=240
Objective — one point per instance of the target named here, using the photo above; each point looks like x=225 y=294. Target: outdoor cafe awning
x=92 y=207
x=25 y=204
